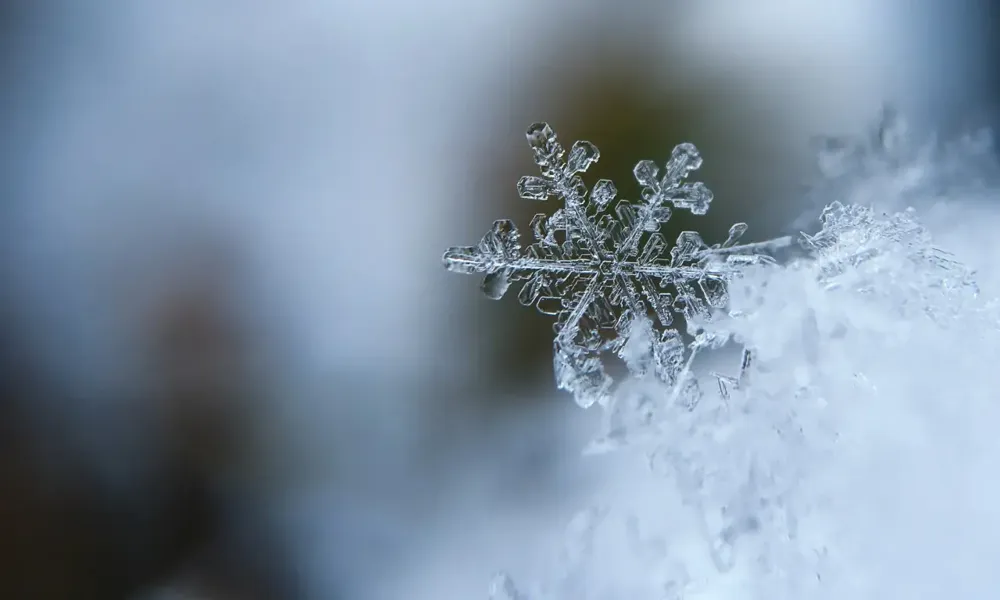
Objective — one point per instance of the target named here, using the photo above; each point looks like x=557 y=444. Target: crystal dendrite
x=599 y=263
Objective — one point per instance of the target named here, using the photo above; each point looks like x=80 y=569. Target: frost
x=854 y=348
x=751 y=469
x=601 y=265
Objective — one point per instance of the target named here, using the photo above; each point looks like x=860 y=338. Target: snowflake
x=599 y=264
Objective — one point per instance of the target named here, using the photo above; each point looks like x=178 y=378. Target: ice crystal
x=859 y=346
x=874 y=253
x=599 y=264
x=750 y=468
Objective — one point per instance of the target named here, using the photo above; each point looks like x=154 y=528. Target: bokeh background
x=232 y=365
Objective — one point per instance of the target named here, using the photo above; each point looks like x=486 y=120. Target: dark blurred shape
x=65 y=536
x=69 y=533
x=200 y=367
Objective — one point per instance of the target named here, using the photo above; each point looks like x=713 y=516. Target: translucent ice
x=599 y=263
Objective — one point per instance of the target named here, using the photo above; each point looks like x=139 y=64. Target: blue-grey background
x=231 y=360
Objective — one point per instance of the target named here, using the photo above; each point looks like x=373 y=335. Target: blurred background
x=232 y=365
